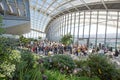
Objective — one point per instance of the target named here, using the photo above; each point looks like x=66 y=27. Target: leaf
x=66 y=39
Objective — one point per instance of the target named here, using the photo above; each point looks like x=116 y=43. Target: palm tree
x=39 y=37
x=66 y=39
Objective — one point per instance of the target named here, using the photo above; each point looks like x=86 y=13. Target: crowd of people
x=46 y=47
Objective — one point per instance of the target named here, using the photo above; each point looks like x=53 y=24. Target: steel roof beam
x=112 y=6
x=85 y=4
x=61 y=5
x=74 y=6
x=40 y=11
x=103 y=2
x=50 y=5
x=37 y=30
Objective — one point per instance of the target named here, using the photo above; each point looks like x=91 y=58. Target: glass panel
x=110 y=43
x=119 y=26
x=101 y=24
x=69 y=23
x=118 y=44
x=92 y=43
x=100 y=43
x=93 y=25
x=112 y=25
x=65 y=24
x=86 y=29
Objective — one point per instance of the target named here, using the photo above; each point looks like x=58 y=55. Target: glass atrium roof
x=42 y=11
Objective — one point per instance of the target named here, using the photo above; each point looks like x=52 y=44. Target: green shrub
x=101 y=67
x=67 y=39
x=97 y=65
x=30 y=59
x=17 y=65
x=23 y=72
x=80 y=63
x=7 y=66
x=56 y=75
x=28 y=68
x=88 y=78
x=64 y=63
x=15 y=56
x=7 y=70
x=83 y=69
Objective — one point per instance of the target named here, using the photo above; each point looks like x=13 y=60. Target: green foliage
x=39 y=37
x=24 y=72
x=83 y=68
x=80 y=63
x=64 y=63
x=24 y=40
x=15 y=57
x=31 y=39
x=1 y=20
x=24 y=65
x=56 y=75
x=17 y=65
x=2 y=30
x=97 y=65
x=6 y=44
x=66 y=39
x=101 y=67
x=7 y=66
x=28 y=67
x=35 y=40
x=30 y=59
x=7 y=70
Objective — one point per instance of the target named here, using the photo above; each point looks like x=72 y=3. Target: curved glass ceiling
x=42 y=11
